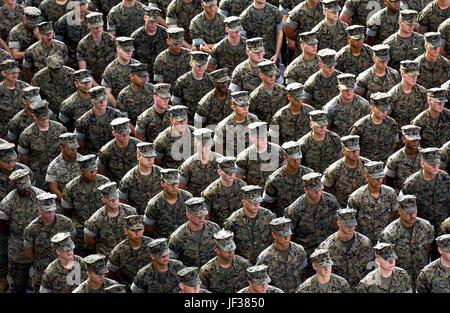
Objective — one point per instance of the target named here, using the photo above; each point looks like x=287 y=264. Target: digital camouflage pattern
x=251 y=235
x=214 y=109
x=432 y=196
x=411 y=248
x=97 y=57
x=375 y=283
x=434 y=133
x=168 y=66
x=433 y=74
x=18 y=123
x=331 y=37
x=444 y=155
x=103 y=6
x=58 y=279
x=417 y=5
x=73 y=107
x=400 y=166
x=368 y=82
x=118 y=161
x=431 y=16
x=56 y=85
x=285 y=271
x=196 y=175
x=10 y=104
x=149 y=280
x=264 y=104
x=318 y=155
x=150 y=123
x=61 y=172
x=95 y=131
x=20 y=38
x=211 y=31
x=138 y=189
x=299 y=70
x=116 y=76
x=401 y=49
x=217 y=279
x=84 y=287
x=190 y=91
x=233 y=8
x=444 y=29
x=245 y=77
x=341 y=116
x=382 y=24
x=373 y=215
x=225 y=55
x=343 y=180
x=36 y=54
x=6 y=185
x=270 y=289
x=164 y=217
x=221 y=201
x=124 y=20
x=134 y=102
x=433 y=278
x=51 y=10
x=319 y=89
x=376 y=141
x=41 y=148
x=291 y=127
x=337 y=284
x=181 y=13
x=107 y=231
x=346 y=62
x=351 y=264
x=9 y=19
x=361 y=10
x=126 y=261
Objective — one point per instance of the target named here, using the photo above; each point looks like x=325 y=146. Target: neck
x=374 y=190
x=83 y=94
x=42 y=128
x=224 y=263
x=309 y=200
x=403 y=34
x=375 y=119
x=344 y=237
x=379 y=71
x=311 y=5
x=197 y=76
x=93 y=285
x=346 y=100
x=268 y=85
x=122 y=144
x=47 y=222
x=98 y=111
x=259 y=5
x=253 y=63
x=442 y=4
x=355 y=50
x=220 y=94
x=123 y=61
x=410 y=152
x=350 y=163
x=405 y=224
x=167 y=196
x=295 y=109
x=406 y=87
x=159 y=110
x=66 y=263
x=290 y=170
x=135 y=243
x=150 y=32
x=445 y=263
x=144 y=170
x=226 y=183
x=68 y=158
x=210 y=16
x=238 y=118
x=112 y=211
x=86 y=180
x=433 y=113
x=323 y=279
x=233 y=41
x=329 y=22
x=384 y=273
x=428 y=176
x=161 y=267
x=10 y=6
x=97 y=36
x=194 y=227
x=250 y=214
x=308 y=56
x=318 y=137
x=204 y=157
x=177 y=132
x=10 y=84
x=135 y=86
x=129 y=3
x=280 y=247
x=430 y=58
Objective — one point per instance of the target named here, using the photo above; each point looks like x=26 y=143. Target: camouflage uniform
x=337 y=284
x=84 y=287
x=36 y=54
x=225 y=55
x=245 y=77
x=264 y=104
x=116 y=76
x=331 y=37
x=9 y=20
x=51 y=10
x=433 y=278
x=431 y=17
x=444 y=155
x=319 y=89
x=444 y=29
x=150 y=280
x=433 y=74
x=103 y=6
x=361 y=10
x=181 y=13
x=73 y=107
x=211 y=31
x=346 y=62
x=400 y=166
x=417 y=5
x=404 y=49
x=6 y=185
x=299 y=70
x=55 y=277
x=168 y=66
x=125 y=20
x=214 y=109
x=20 y=38
x=18 y=123
x=232 y=7
x=445 y=227
x=368 y=83
x=382 y=25
x=434 y=132
x=375 y=283
x=152 y=123
x=10 y=104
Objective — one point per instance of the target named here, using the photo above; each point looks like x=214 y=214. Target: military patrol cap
x=40 y=109
x=31 y=12
x=96 y=263
x=69 y=140
x=233 y=23
x=407 y=203
x=308 y=37
x=162 y=90
x=209 y=3
x=220 y=75
x=346 y=81
x=196 y=206
x=152 y=12
x=430 y=155
x=224 y=240
x=410 y=67
x=385 y=250
x=268 y=68
x=125 y=43
x=327 y=56
x=318 y=117
x=98 y=93
x=227 y=164
x=189 y=276
x=350 y=142
x=255 y=44
x=312 y=181
x=204 y=136
x=443 y=242
x=355 y=32
x=331 y=5
x=437 y=94
x=411 y=132
x=280 y=226
x=62 y=242
x=31 y=93
x=321 y=258
x=87 y=162
x=10 y=66
x=380 y=100
x=347 y=216
x=170 y=176
x=258 y=274
x=139 y=69
x=252 y=193
x=109 y=190
x=258 y=129
x=54 y=61
x=116 y=288
x=121 y=125
x=135 y=222
x=47 y=201
x=7 y=152
x=296 y=91
x=409 y=17
x=159 y=247
x=433 y=39
x=375 y=169
x=175 y=34
x=178 y=113
x=45 y=28
x=199 y=57
x=240 y=98
x=146 y=149
x=292 y=150
x=381 y=52
x=82 y=76
x=95 y=19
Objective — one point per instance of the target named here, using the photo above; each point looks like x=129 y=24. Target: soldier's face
x=161 y=103
x=24 y=193
x=268 y=79
x=123 y=139
x=65 y=255
x=327 y=70
x=188 y=289
x=387 y=265
x=437 y=107
x=100 y=105
x=407 y=218
x=138 y=80
x=95 y=278
x=210 y=10
x=171 y=190
x=47 y=216
x=259 y=141
x=256 y=56
x=111 y=204
x=380 y=64
x=331 y=16
x=162 y=261
x=226 y=255
x=196 y=220
x=347 y=230
x=260 y=1
x=233 y=35
x=347 y=95
x=227 y=177
x=175 y=48
x=251 y=207
x=84 y=87
x=313 y=196
x=320 y=130
x=352 y=155
x=179 y=126
x=444 y=255
x=282 y=240
x=259 y=288
x=46 y=39
x=69 y=153
x=356 y=43
x=97 y=31
x=145 y=161
x=406 y=28
x=89 y=176
x=222 y=87
x=409 y=79
x=411 y=144
x=199 y=69
x=324 y=272
x=392 y=6
x=11 y=77
x=240 y=110
x=292 y=163
x=135 y=235
x=7 y=167
x=433 y=52
x=431 y=169
x=374 y=182
x=309 y=49
x=379 y=114
x=315 y=2
x=124 y=55
x=44 y=123
x=150 y=26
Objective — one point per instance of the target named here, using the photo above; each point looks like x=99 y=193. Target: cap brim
x=294 y=156
x=413 y=73
x=67 y=247
x=223 y=79
x=192 y=283
x=228 y=248
x=412 y=137
x=357 y=37
x=229 y=170
x=352 y=148
x=163 y=253
x=176 y=41
x=320 y=123
x=200 y=213
x=409 y=210
x=142 y=73
x=377 y=175
x=89 y=169
x=324 y=264
x=163 y=95
x=311 y=42
x=330 y=63
x=346 y=87
x=283 y=233
x=137 y=227
x=180 y=118
x=242 y=103
x=433 y=161
x=254 y=200
x=100 y=99
x=235 y=29
x=199 y=63
x=261 y=49
x=350 y=223
x=383 y=58
x=443 y=99
x=97 y=24
x=112 y=196
x=171 y=181
x=14 y=70
x=148 y=154
x=85 y=80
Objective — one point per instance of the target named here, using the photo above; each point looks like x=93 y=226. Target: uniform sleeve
x=241 y=163
x=91 y=228
x=174 y=246
x=28 y=59
x=138 y=285
x=114 y=261
x=24 y=143
x=422 y=284
x=373 y=25
x=111 y=22
x=81 y=51
x=391 y=167
x=270 y=193
x=329 y=178
x=361 y=84
x=159 y=146
x=178 y=91
x=28 y=240
x=66 y=200
x=184 y=173
x=151 y=213
x=236 y=81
